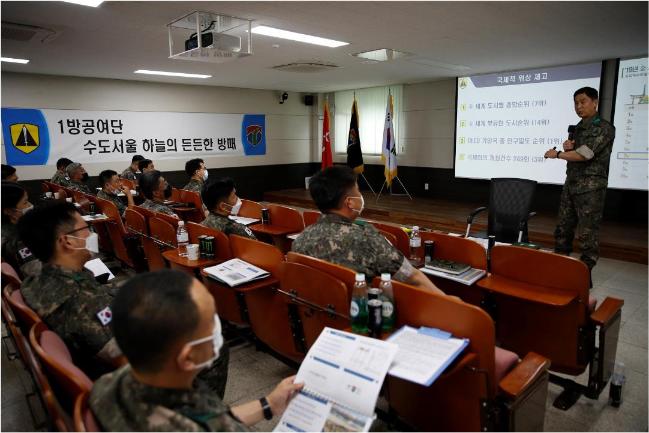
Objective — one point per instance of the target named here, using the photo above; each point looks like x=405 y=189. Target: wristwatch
x=265 y=406
x=558 y=153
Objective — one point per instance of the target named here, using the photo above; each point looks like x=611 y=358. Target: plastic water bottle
x=358 y=307
x=387 y=296
x=617 y=380
x=182 y=237
x=415 y=244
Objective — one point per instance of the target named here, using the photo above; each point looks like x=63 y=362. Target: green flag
x=354 y=153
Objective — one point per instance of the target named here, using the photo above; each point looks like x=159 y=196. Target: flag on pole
x=327 y=159
x=354 y=153
x=389 y=153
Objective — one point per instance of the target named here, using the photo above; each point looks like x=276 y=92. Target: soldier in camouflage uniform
x=220 y=197
x=15 y=203
x=178 y=333
x=337 y=239
x=584 y=191
x=78 y=178
x=155 y=190
x=60 y=177
x=198 y=174
x=110 y=187
x=130 y=173
x=65 y=295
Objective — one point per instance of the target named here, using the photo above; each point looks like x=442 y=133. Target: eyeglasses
x=87 y=226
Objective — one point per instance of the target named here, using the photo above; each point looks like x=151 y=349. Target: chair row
x=60 y=385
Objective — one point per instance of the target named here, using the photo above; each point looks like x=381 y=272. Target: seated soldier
x=131 y=171
x=337 y=239
x=111 y=187
x=61 y=177
x=9 y=173
x=155 y=190
x=15 y=204
x=220 y=198
x=78 y=178
x=197 y=172
x=145 y=166
x=178 y=333
x=65 y=295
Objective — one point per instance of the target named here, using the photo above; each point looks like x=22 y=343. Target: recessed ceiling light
x=91 y=3
x=10 y=60
x=299 y=37
x=171 y=74
x=381 y=55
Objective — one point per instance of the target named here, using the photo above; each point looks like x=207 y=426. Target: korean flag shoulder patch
x=105 y=316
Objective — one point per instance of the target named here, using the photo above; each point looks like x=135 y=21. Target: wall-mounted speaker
x=308 y=99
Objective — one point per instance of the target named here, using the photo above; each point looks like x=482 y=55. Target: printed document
x=235 y=272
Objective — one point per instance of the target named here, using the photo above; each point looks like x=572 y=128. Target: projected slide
x=506 y=121
x=628 y=167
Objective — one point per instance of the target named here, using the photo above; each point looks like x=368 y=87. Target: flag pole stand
x=368 y=184
x=390 y=188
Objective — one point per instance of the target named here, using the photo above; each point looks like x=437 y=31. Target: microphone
x=571 y=132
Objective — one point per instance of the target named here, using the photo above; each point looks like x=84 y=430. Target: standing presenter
x=588 y=152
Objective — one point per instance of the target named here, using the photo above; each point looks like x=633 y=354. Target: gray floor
x=254 y=374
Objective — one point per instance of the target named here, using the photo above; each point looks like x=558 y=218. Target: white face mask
x=205 y=175
x=362 y=204
x=27 y=209
x=92 y=243
x=235 y=209
x=217 y=343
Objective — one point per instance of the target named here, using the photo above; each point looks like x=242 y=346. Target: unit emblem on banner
x=24 y=137
x=254 y=134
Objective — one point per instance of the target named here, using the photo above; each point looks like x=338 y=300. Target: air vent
x=306 y=67
x=26 y=33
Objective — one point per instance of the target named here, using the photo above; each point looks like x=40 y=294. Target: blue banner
x=26 y=137
x=253 y=134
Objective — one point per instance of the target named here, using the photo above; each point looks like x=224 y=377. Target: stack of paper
x=243 y=220
x=235 y=272
x=97 y=267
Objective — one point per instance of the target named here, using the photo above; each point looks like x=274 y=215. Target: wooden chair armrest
x=523 y=375
x=606 y=311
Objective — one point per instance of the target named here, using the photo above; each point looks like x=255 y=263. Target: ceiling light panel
x=298 y=37
x=12 y=60
x=171 y=74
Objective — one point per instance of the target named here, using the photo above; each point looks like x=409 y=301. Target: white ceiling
x=118 y=37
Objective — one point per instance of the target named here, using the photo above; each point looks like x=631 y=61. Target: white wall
x=290 y=135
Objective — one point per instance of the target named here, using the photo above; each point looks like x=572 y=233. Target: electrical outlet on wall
x=426 y=186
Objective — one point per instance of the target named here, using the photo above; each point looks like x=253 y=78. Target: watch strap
x=265 y=407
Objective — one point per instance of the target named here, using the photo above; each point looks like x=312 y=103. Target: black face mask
x=84 y=177
x=167 y=191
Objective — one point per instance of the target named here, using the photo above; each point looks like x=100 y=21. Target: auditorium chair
x=25 y=315
x=45 y=187
x=84 y=419
x=56 y=358
x=403 y=241
x=127 y=183
x=250 y=209
x=222 y=251
x=541 y=303
x=390 y=238
x=116 y=231
x=315 y=300
x=459 y=250
x=284 y=216
x=484 y=389
x=9 y=275
x=197 y=214
x=510 y=200
x=346 y=275
x=163 y=236
x=57 y=419
x=310 y=217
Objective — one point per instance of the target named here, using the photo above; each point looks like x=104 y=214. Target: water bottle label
x=354 y=309
x=387 y=309
x=415 y=243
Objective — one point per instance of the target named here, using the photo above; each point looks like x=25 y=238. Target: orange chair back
x=346 y=275
x=198 y=215
x=454 y=401
x=127 y=182
x=457 y=249
x=390 y=238
x=250 y=209
x=136 y=222
x=116 y=230
x=25 y=315
x=403 y=241
x=260 y=254
x=45 y=187
x=222 y=251
x=319 y=298
x=163 y=232
x=285 y=216
x=52 y=186
x=63 y=193
x=9 y=275
x=57 y=360
x=175 y=195
x=84 y=419
x=310 y=217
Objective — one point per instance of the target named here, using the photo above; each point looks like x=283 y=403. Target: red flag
x=327 y=159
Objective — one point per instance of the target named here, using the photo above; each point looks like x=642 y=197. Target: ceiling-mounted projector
x=212 y=39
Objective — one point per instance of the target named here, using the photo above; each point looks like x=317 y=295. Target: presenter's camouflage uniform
x=128 y=174
x=227 y=226
x=121 y=207
x=69 y=303
x=17 y=254
x=120 y=403
x=78 y=186
x=358 y=247
x=584 y=191
x=157 y=207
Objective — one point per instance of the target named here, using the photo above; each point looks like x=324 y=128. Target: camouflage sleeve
x=88 y=324
x=597 y=141
x=386 y=257
x=241 y=230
